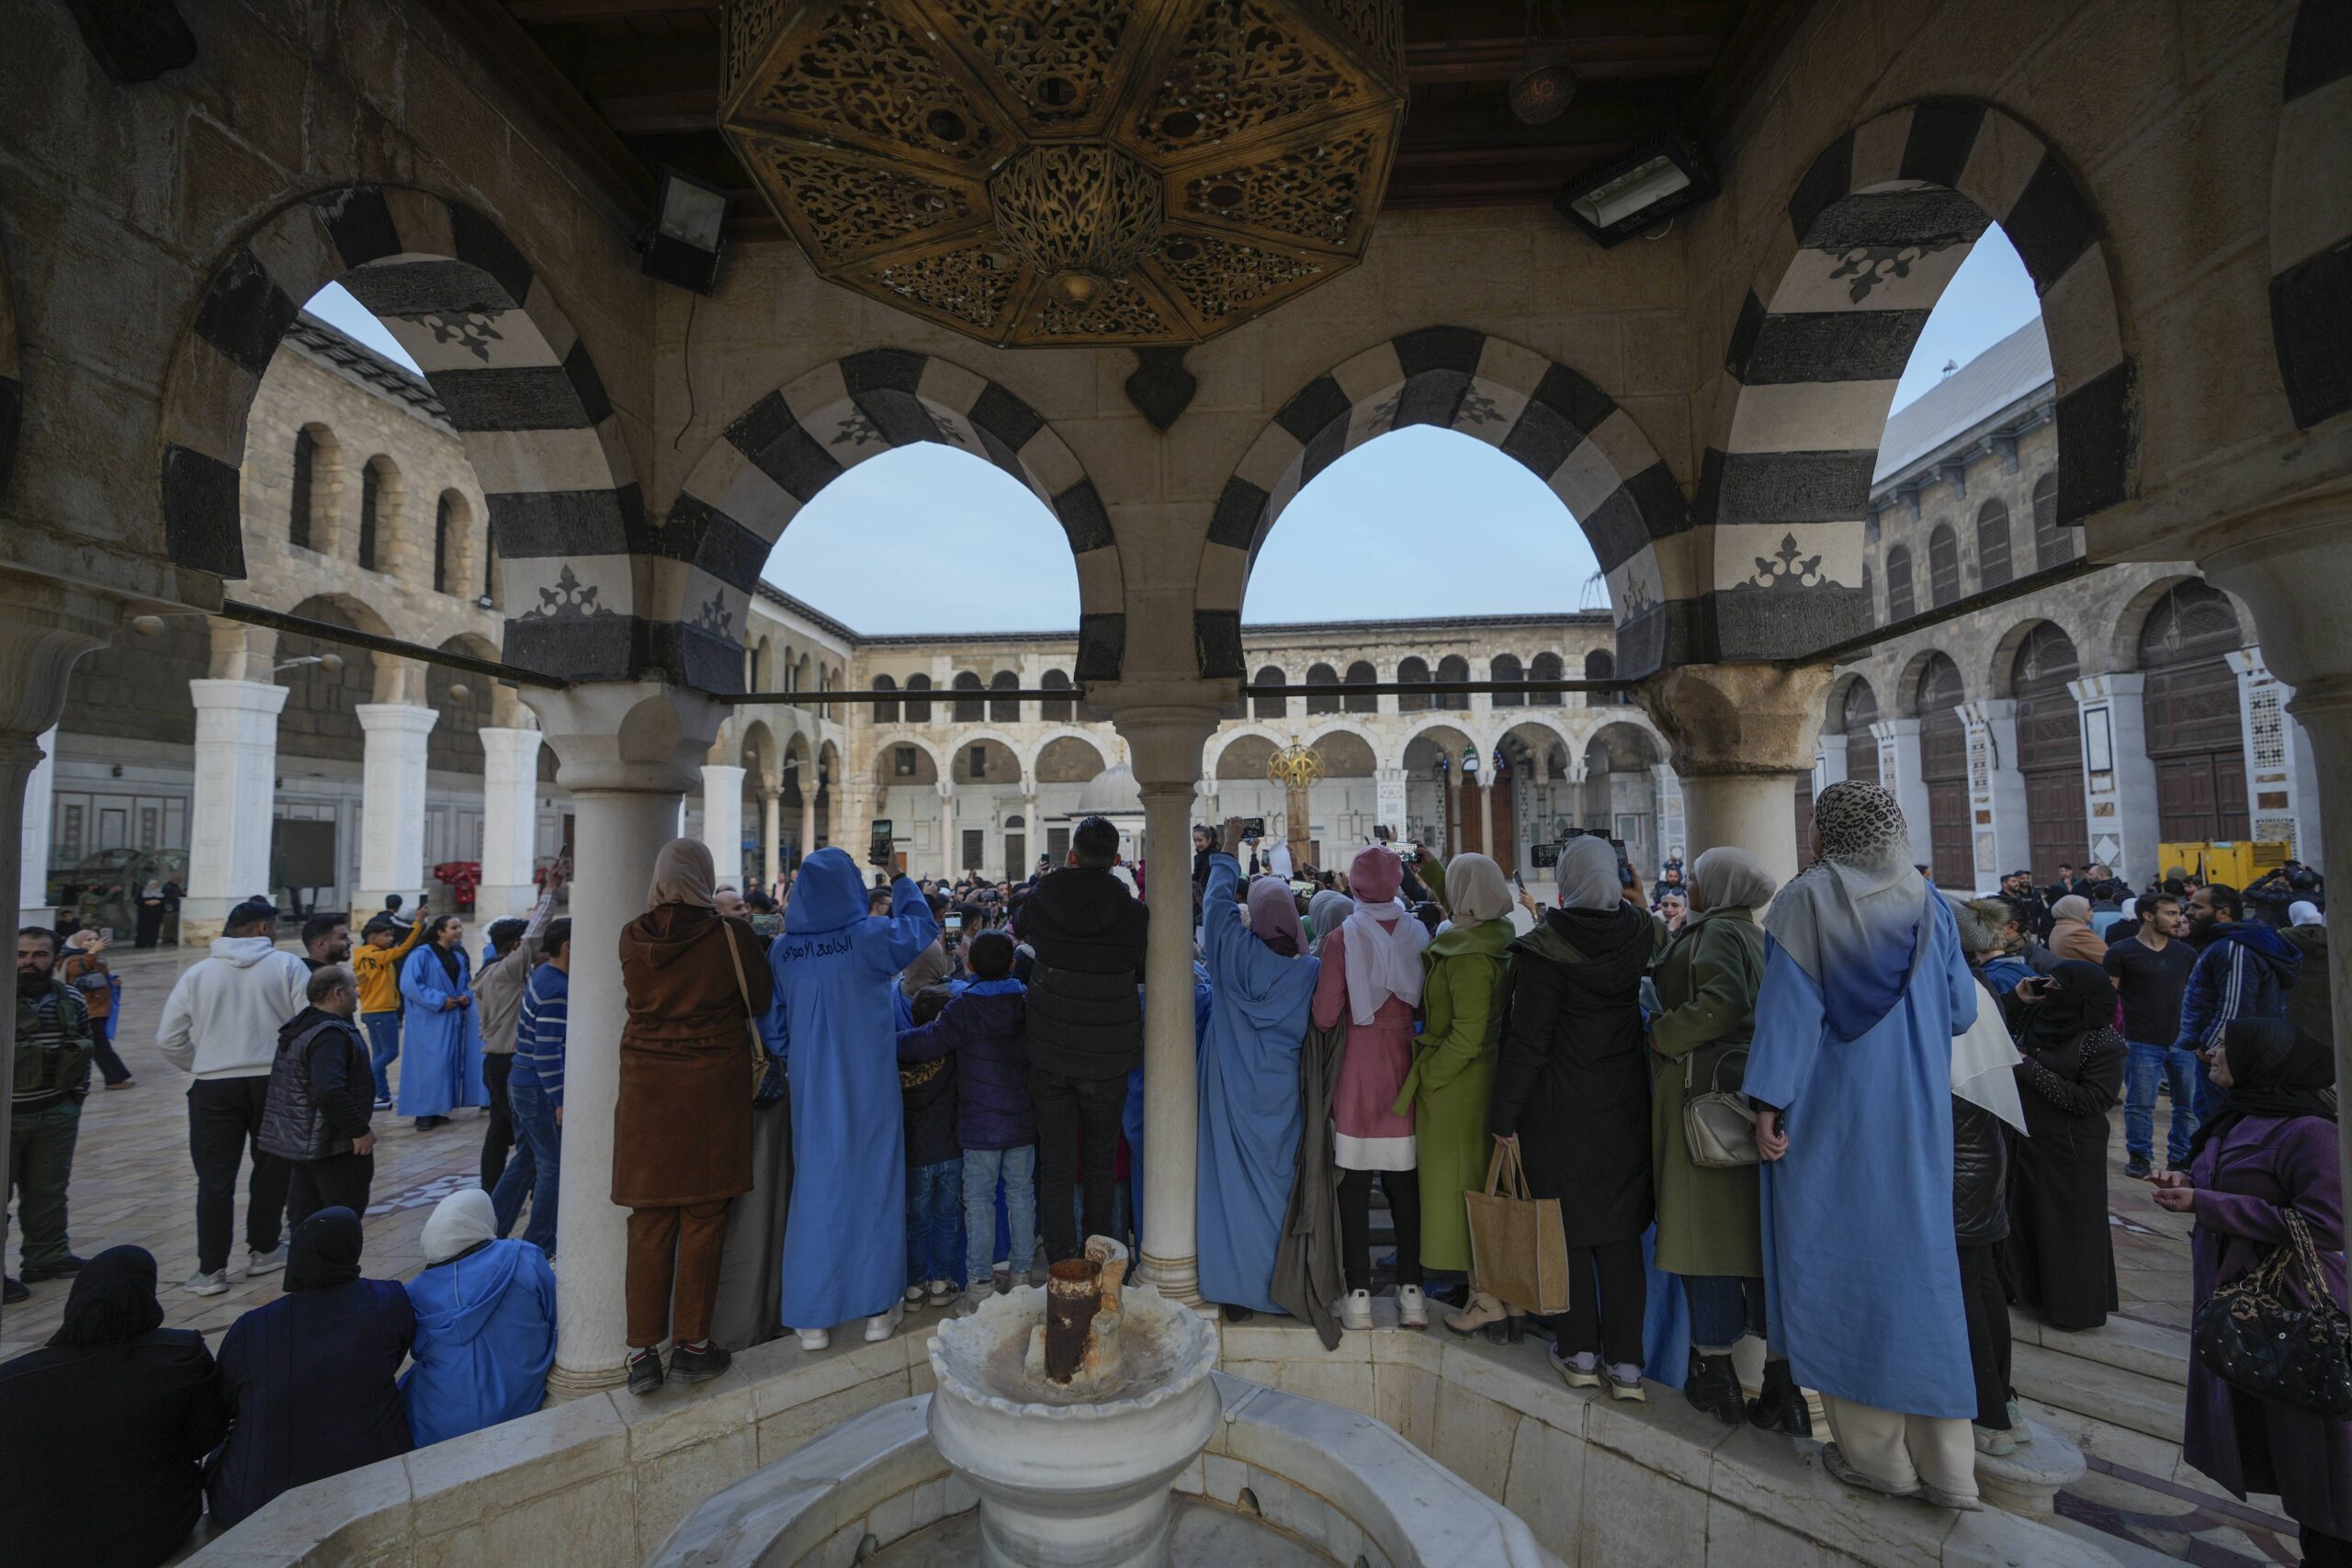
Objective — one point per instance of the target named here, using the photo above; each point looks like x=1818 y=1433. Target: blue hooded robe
x=1249 y=1105
x=836 y=967
x=485 y=1338
x=440 y=1052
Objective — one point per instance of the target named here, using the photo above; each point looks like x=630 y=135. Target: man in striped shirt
x=534 y=1095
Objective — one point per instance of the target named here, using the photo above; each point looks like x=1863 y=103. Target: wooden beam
x=555 y=13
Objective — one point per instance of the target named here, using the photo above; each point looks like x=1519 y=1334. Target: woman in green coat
x=1453 y=1069
x=1708 y=1219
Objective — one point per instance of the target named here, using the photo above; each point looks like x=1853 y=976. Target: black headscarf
x=448 y=955
x=2079 y=999
x=2276 y=1070
x=323 y=1251
x=113 y=1300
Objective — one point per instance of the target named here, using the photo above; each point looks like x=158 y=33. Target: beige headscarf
x=683 y=873
x=1728 y=878
x=1475 y=889
x=2073 y=907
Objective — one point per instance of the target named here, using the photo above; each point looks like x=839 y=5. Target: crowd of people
x=874 y=1095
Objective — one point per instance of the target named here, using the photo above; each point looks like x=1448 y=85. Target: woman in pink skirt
x=1371 y=974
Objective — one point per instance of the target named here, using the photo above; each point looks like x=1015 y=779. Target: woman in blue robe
x=1261 y=984
x=835 y=967
x=441 y=1042
x=485 y=1324
x=1864 y=987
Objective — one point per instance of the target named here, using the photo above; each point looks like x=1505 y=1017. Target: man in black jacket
x=315 y=1115
x=1085 y=1028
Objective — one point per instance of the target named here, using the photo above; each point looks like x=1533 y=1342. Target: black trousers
x=1612 y=1322
x=1075 y=1117
x=2324 y=1551
x=1404 y=1190
x=499 y=1136
x=223 y=1118
x=1988 y=1332
x=338 y=1182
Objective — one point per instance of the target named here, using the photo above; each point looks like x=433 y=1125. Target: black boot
x=1714 y=1387
x=1780 y=1407
x=644 y=1371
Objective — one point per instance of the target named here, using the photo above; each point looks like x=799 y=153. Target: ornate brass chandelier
x=1295 y=767
x=1070 y=170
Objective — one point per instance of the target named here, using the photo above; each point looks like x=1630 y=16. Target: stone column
x=950 y=851
x=33 y=862
x=510 y=821
x=1451 y=826
x=1999 y=828
x=1741 y=734
x=1485 y=788
x=808 y=787
x=722 y=819
x=628 y=752
x=1673 y=814
x=771 y=835
x=391 y=840
x=229 y=818
x=1828 y=765
x=2119 y=820
x=1166 y=743
x=1899 y=769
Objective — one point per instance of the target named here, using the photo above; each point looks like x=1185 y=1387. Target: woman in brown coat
x=681 y=1130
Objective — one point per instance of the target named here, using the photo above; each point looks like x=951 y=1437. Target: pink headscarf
x=1274 y=917
x=1376 y=874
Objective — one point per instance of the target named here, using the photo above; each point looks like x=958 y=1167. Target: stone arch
x=880 y=758
x=965 y=734
x=321 y=717
x=777 y=454
x=992 y=744
x=1905 y=695
x=2311 y=217
x=1035 y=765
x=1223 y=742
x=2119 y=639
x=454 y=744
x=382 y=542
x=1872 y=233
x=759 y=757
x=1999 y=671
x=1352 y=742
x=451 y=563
x=314 y=491
x=519 y=386
x=1555 y=733
x=1429 y=728
x=1619 y=736
x=1551 y=420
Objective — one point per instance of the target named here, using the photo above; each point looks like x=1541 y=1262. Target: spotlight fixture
x=1639 y=191
x=689 y=229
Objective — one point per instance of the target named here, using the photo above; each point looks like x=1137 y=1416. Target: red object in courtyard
x=461 y=877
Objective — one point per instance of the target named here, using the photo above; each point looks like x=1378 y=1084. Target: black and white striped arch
x=1872 y=233
x=1564 y=429
x=2311 y=217
x=794 y=442
x=565 y=512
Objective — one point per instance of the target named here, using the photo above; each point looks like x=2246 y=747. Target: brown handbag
x=1517 y=1249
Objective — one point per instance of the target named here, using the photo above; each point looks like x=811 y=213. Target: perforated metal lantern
x=1071 y=171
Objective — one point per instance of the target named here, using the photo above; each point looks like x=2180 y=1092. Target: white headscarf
x=1474 y=888
x=1587 y=876
x=1728 y=878
x=462 y=1220
x=2303 y=912
x=1382 y=960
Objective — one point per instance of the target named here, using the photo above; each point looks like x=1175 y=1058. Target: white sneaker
x=1355 y=1310
x=202 y=1284
x=913 y=1296
x=816 y=1338
x=880 y=1329
x=1412 y=1307
x=268 y=1262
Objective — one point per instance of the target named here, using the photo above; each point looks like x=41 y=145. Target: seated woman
x=485 y=1324
x=308 y=1378
x=113 y=1395
x=2059 y=1258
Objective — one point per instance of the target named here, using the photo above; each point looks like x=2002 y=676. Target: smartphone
x=1384 y=835
x=1405 y=852
x=1253 y=827
x=954 y=923
x=878 y=841
x=1544 y=857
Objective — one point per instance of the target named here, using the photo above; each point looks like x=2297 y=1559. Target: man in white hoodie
x=220 y=1027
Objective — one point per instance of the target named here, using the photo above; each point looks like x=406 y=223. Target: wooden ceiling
x=630 y=85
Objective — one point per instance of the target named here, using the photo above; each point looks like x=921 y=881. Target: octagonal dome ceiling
x=1071 y=171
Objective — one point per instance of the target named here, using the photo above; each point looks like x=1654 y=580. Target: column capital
x=1165 y=741
x=394 y=718
x=1737 y=719
x=238 y=696
x=628 y=735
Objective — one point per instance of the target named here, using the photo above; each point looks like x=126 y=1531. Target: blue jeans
x=536 y=1169
x=383 y=1045
x=2180 y=1067
x=982 y=1169
x=934 y=1221
x=1722 y=1308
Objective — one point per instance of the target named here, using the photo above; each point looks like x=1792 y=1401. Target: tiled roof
x=2010 y=370
x=331 y=345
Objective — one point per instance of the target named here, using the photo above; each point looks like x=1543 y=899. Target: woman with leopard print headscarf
x=1864 y=987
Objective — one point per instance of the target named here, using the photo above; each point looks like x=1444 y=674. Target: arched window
x=1601 y=665
x=918 y=709
x=1264 y=706
x=444 y=551
x=887 y=710
x=1547 y=667
x=1506 y=668
x=1943 y=567
x=969 y=710
x=372 y=489
x=1322 y=702
x=1992 y=545
x=1361 y=673
x=1854 y=720
x=1454 y=667
x=1004 y=710
x=490 y=566
x=298 y=518
x=1414 y=668
x=1899 y=583
x=1056 y=710
x=2052 y=545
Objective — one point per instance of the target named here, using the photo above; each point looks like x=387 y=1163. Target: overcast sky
x=1421 y=521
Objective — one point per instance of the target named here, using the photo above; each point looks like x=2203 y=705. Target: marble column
x=229 y=818
x=950 y=850
x=1451 y=827
x=392 y=839
x=1899 y=769
x=771 y=836
x=1741 y=733
x=1828 y=765
x=1166 y=744
x=510 y=822
x=722 y=820
x=2001 y=833
x=808 y=787
x=627 y=752
x=1485 y=788
x=32 y=898
x=2119 y=815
